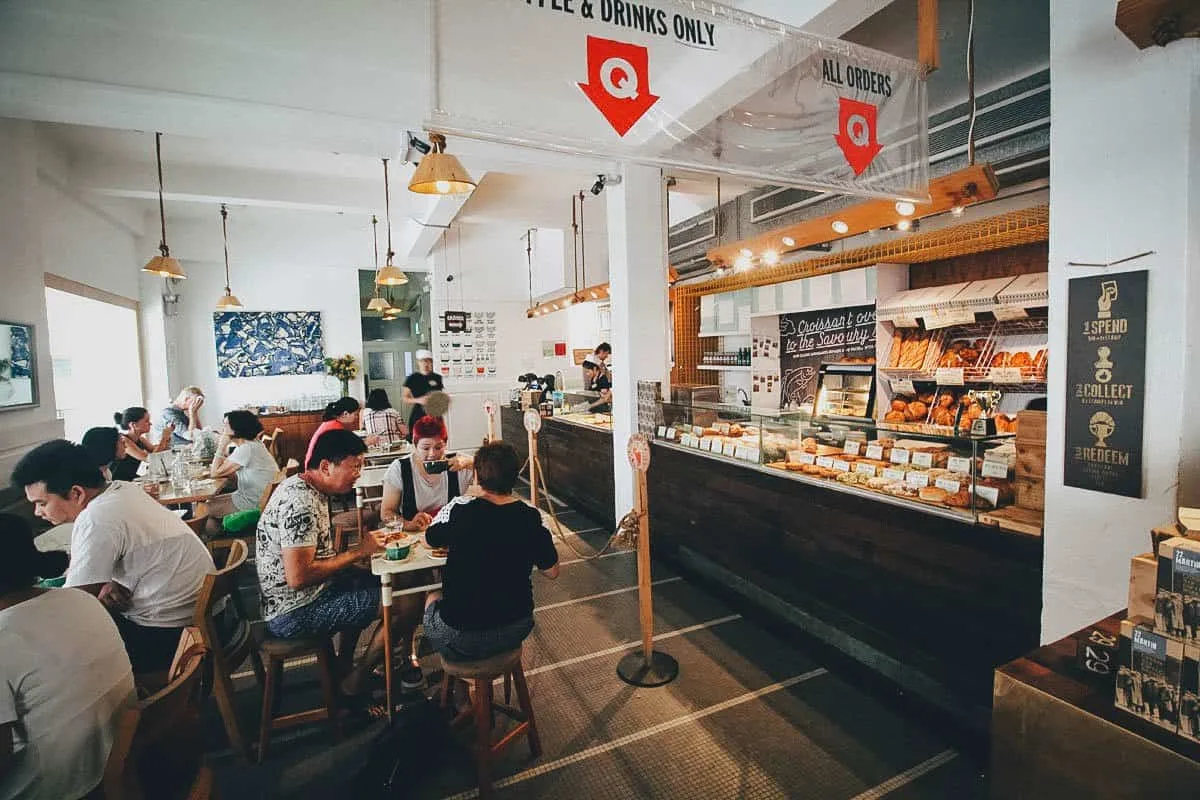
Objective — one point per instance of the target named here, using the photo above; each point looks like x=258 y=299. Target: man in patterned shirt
x=307 y=588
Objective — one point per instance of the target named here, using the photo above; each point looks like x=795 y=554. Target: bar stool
x=274 y=653
x=483 y=673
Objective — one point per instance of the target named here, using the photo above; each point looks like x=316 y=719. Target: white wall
x=1124 y=165
x=490 y=273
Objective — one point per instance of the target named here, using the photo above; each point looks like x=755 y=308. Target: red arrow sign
x=857 y=134
x=618 y=82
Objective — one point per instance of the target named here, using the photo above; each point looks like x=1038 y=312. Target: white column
x=637 y=270
x=1125 y=178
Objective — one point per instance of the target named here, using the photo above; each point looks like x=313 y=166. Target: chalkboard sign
x=812 y=338
x=1106 y=382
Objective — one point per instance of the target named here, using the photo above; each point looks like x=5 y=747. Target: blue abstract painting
x=21 y=356
x=256 y=343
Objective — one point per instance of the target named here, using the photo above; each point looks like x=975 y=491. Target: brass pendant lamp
x=229 y=300
x=162 y=265
x=378 y=302
x=389 y=274
x=439 y=172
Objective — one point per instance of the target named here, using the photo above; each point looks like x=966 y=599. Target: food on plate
x=793 y=466
x=950 y=358
x=809 y=444
x=810 y=469
x=894 y=416
x=736 y=430
x=899 y=404
x=932 y=494
x=960 y=499
x=916 y=411
x=926 y=398
x=946 y=400
x=439 y=552
x=1000 y=360
x=943 y=416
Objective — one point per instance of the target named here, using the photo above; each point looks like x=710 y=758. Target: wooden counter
x=912 y=595
x=298 y=428
x=577 y=460
x=1057 y=733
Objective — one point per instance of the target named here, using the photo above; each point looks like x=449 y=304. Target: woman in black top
x=486 y=603
x=107 y=448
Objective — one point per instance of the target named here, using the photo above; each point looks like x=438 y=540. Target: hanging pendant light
x=439 y=172
x=388 y=274
x=162 y=265
x=378 y=302
x=228 y=301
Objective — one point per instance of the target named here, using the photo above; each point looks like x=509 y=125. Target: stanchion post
x=533 y=424
x=489 y=408
x=646 y=667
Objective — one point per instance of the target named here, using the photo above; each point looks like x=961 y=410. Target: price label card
x=722 y=428
x=949 y=376
x=959 y=464
x=893 y=474
x=875 y=452
x=730 y=449
x=917 y=480
x=988 y=493
x=904 y=321
x=1006 y=313
x=865 y=469
x=662 y=431
x=995 y=469
x=808 y=458
x=712 y=445
x=899 y=455
x=748 y=453
x=841 y=466
x=685 y=439
x=922 y=460
x=851 y=448
x=697 y=430
x=949 y=485
x=825 y=462
x=671 y=433
x=903 y=386
x=697 y=442
x=1005 y=375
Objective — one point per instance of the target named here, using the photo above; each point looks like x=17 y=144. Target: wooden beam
x=965 y=187
x=928 y=52
x=1158 y=22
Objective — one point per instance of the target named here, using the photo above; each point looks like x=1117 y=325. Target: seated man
x=140 y=559
x=307 y=588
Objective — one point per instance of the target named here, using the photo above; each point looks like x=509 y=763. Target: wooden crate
x=1030 y=492
x=1016 y=519
x=1030 y=482
x=1031 y=427
x=1143 y=575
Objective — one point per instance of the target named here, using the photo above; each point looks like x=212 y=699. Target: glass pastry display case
x=845 y=391
x=574 y=410
x=958 y=476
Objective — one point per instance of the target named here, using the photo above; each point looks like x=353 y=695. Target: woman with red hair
x=413 y=495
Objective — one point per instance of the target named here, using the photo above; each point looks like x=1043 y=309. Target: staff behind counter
x=595 y=380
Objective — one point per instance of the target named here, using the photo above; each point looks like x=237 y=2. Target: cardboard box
x=1143 y=585
x=1148 y=675
x=1189 y=694
x=1177 y=598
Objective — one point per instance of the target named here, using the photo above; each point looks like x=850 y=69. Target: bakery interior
x=865 y=543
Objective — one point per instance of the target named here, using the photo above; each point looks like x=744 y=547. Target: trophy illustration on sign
x=1102 y=426
x=1104 y=365
x=1108 y=293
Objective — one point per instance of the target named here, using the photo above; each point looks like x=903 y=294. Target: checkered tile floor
x=752 y=715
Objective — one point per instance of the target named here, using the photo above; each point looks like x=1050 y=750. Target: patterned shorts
x=333 y=609
x=457 y=645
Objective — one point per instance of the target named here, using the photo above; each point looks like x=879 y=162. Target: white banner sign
x=681 y=83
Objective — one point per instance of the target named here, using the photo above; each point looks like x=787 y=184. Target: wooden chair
x=483 y=674
x=198 y=519
x=225 y=630
x=157 y=750
x=271 y=440
x=216 y=546
x=291 y=467
x=274 y=652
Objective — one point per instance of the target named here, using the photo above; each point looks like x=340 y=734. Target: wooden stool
x=483 y=674
x=274 y=652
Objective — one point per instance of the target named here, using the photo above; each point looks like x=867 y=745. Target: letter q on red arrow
x=857 y=134
x=618 y=82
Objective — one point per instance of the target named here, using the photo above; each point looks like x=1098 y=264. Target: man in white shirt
x=140 y=559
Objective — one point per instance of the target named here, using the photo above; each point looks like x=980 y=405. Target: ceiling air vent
x=697 y=230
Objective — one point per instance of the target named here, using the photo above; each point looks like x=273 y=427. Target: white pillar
x=1125 y=178
x=637 y=270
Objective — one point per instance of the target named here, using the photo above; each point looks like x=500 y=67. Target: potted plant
x=344 y=368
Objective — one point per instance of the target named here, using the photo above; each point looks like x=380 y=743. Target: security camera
x=414 y=148
x=598 y=186
x=449 y=278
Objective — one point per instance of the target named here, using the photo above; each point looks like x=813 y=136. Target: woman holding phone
x=416 y=488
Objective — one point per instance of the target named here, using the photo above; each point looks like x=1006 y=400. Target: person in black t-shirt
x=486 y=604
x=419 y=384
x=595 y=380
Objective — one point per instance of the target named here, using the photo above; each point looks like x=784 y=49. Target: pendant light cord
x=387 y=210
x=971 y=81
x=162 y=211
x=225 y=238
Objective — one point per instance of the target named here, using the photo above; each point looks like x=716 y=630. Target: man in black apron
x=419 y=384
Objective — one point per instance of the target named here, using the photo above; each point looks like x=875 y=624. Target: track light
x=957 y=211
x=770 y=257
x=904 y=225
x=840 y=226
x=905 y=208
x=788 y=241
x=742 y=263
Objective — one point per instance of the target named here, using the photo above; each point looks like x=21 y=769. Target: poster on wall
x=766 y=386
x=466 y=347
x=811 y=338
x=259 y=343
x=1106 y=379
x=18 y=368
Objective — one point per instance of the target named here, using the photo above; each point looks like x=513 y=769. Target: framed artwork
x=18 y=366
x=259 y=343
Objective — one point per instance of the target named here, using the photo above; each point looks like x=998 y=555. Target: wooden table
x=385 y=457
x=1057 y=733
x=418 y=558
x=199 y=492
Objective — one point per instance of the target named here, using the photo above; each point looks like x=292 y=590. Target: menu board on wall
x=1106 y=379
x=812 y=338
